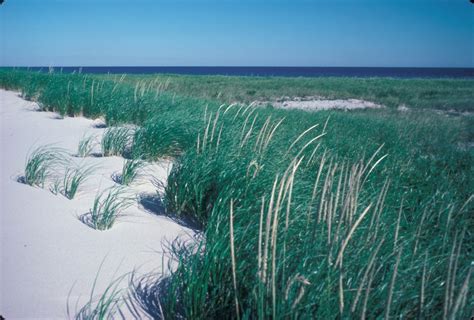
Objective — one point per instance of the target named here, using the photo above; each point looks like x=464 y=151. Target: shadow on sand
x=154 y=204
x=147 y=291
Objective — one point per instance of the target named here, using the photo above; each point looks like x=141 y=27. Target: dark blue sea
x=362 y=72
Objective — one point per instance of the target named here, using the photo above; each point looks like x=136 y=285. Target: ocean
x=361 y=72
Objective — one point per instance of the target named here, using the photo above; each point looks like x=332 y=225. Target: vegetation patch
x=130 y=171
x=108 y=205
x=116 y=141
x=86 y=146
x=40 y=165
x=74 y=177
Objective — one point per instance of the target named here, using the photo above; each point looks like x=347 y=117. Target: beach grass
x=86 y=146
x=107 y=306
x=130 y=171
x=107 y=206
x=40 y=165
x=74 y=177
x=330 y=214
x=306 y=233
x=116 y=141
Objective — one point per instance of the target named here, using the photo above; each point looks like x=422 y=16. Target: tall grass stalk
x=392 y=285
x=232 y=253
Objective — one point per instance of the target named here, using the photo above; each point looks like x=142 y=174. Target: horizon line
x=230 y=66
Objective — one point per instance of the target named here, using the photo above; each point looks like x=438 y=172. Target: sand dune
x=45 y=249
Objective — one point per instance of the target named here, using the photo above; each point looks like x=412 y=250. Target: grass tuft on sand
x=86 y=146
x=107 y=206
x=130 y=171
x=40 y=165
x=74 y=177
x=116 y=141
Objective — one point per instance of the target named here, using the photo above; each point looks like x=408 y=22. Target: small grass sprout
x=73 y=178
x=130 y=171
x=108 y=205
x=116 y=141
x=40 y=163
x=86 y=146
x=106 y=306
x=55 y=187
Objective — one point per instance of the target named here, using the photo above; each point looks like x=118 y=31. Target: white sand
x=319 y=104
x=45 y=249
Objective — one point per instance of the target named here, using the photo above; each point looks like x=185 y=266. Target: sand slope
x=45 y=249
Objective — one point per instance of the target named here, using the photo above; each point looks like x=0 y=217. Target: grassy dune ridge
x=328 y=214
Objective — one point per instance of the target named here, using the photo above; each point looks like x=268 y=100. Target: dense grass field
x=329 y=214
x=442 y=94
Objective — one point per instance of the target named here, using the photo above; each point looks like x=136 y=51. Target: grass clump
x=107 y=306
x=86 y=146
x=40 y=165
x=130 y=171
x=108 y=205
x=117 y=141
x=55 y=187
x=73 y=178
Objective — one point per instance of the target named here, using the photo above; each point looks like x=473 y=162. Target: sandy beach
x=46 y=251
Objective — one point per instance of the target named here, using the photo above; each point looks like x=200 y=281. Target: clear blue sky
x=419 y=33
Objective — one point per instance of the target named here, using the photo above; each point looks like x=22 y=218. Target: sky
x=363 y=33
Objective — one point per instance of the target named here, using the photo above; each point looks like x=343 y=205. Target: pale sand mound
x=45 y=249
x=318 y=104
